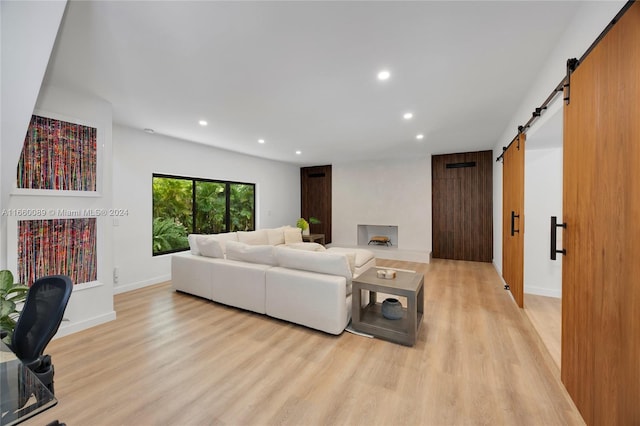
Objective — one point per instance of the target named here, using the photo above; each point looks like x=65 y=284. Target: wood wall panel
x=462 y=201
x=601 y=271
x=315 y=198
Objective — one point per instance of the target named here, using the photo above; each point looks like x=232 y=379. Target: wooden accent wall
x=315 y=197
x=601 y=270
x=513 y=204
x=462 y=203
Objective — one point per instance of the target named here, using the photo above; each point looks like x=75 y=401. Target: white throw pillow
x=193 y=244
x=307 y=246
x=292 y=235
x=313 y=261
x=254 y=238
x=209 y=246
x=262 y=254
x=275 y=236
x=221 y=238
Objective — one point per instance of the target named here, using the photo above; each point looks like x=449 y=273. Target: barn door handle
x=513 y=223
x=554 y=237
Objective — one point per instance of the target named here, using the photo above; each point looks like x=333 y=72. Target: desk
x=22 y=395
x=313 y=238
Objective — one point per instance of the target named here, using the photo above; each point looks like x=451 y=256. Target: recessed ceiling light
x=150 y=131
x=298 y=152
x=408 y=115
x=260 y=140
x=384 y=75
x=203 y=122
x=420 y=136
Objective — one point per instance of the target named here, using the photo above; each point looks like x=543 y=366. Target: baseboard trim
x=140 y=284
x=542 y=291
x=65 y=330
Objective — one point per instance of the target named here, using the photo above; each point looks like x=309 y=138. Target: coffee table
x=369 y=319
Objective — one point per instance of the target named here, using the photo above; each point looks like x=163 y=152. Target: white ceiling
x=302 y=75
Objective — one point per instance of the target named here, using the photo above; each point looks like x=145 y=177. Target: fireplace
x=367 y=232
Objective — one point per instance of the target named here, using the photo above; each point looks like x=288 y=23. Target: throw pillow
x=292 y=235
x=193 y=244
x=254 y=238
x=275 y=236
x=209 y=246
x=262 y=254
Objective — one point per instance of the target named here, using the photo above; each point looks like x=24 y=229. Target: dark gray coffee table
x=369 y=319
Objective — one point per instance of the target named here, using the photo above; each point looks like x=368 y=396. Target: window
x=183 y=205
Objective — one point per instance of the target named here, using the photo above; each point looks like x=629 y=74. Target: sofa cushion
x=254 y=238
x=362 y=255
x=275 y=236
x=307 y=246
x=292 y=235
x=210 y=246
x=262 y=254
x=320 y=262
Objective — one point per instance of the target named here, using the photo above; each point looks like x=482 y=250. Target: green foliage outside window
x=186 y=205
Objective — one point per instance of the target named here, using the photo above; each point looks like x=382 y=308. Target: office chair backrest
x=41 y=316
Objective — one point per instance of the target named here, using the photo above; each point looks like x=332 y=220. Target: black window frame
x=194 y=180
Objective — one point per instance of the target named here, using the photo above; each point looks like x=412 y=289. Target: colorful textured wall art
x=57 y=246
x=58 y=155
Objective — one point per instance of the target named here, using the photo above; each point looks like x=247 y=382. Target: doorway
x=543 y=199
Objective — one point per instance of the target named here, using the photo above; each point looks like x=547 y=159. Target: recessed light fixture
x=384 y=75
x=408 y=115
x=150 y=131
x=420 y=136
x=203 y=122
x=298 y=152
x=260 y=140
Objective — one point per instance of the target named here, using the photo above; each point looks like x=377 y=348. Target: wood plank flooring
x=545 y=314
x=174 y=359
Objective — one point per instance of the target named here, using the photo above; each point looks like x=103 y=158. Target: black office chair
x=38 y=322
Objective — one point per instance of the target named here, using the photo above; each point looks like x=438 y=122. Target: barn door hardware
x=572 y=64
x=554 y=237
x=513 y=223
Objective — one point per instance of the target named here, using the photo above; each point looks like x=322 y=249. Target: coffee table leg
x=356 y=305
x=412 y=320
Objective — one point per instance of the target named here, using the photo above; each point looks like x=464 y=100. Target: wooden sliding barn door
x=601 y=269
x=513 y=218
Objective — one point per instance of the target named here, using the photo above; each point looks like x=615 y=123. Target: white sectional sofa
x=273 y=272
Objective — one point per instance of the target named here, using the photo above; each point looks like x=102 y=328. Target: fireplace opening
x=378 y=235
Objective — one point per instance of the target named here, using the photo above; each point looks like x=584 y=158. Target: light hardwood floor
x=545 y=314
x=174 y=359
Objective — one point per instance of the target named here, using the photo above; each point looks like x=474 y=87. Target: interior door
x=462 y=206
x=601 y=209
x=513 y=218
x=315 y=197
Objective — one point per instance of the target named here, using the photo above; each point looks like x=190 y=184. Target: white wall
x=89 y=304
x=394 y=192
x=591 y=19
x=543 y=199
x=28 y=32
x=137 y=155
